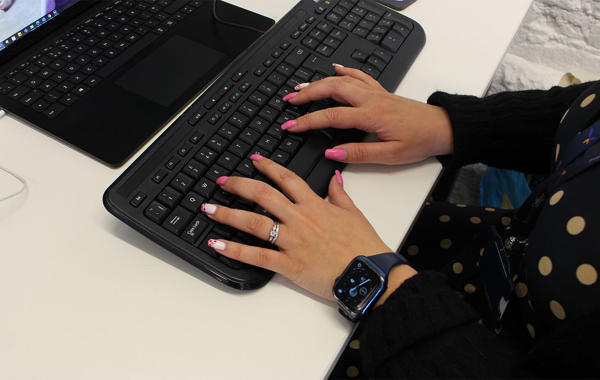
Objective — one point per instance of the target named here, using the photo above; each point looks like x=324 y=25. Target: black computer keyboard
x=241 y=114
x=64 y=70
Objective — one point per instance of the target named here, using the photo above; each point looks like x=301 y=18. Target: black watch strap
x=386 y=261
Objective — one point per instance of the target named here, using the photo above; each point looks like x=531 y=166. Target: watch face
x=357 y=286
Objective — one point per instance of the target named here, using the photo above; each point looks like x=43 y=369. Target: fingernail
x=217 y=244
x=256 y=157
x=336 y=154
x=221 y=180
x=338 y=175
x=289 y=96
x=288 y=124
x=338 y=65
x=208 y=208
x=301 y=86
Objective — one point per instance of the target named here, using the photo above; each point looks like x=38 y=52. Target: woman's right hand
x=408 y=130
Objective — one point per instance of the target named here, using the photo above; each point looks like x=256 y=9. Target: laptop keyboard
x=58 y=74
x=160 y=194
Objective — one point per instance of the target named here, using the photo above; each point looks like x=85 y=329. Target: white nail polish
x=217 y=244
x=301 y=86
x=208 y=208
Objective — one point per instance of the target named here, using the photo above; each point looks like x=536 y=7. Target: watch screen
x=357 y=284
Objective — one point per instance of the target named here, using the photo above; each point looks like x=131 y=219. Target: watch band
x=386 y=261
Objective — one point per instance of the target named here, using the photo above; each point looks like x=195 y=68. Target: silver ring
x=274 y=234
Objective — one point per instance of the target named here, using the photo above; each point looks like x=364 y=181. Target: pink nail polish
x=289 y=96
x=336 y=154
x=217 y=244
x=301 y=86
x=338 y=175
x=208 y=208
x=221 y=180
x=338 y=65
x=288 y=124
x=256 y=157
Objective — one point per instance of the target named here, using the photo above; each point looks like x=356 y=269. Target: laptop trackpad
x=171 y=69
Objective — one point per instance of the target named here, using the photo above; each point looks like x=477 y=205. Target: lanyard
x=582 y=152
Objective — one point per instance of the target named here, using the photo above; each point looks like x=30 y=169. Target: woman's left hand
x=317 y=239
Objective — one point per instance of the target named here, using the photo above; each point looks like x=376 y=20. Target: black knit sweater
x=427 y=330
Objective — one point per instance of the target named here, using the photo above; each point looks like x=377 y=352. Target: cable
x=232 y=23
x=23 y=182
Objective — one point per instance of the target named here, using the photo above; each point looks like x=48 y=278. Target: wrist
x=443 y=139
x=396 y=278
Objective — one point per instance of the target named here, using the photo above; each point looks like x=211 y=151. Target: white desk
x=83 y=296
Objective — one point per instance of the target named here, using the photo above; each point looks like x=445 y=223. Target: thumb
x=337 y=194
x=386 y=152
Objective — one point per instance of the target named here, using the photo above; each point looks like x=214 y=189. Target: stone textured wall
x=556 y=37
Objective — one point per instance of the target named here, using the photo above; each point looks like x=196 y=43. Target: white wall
x=557 y=36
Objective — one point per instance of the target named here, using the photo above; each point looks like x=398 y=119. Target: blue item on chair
x=503 y=188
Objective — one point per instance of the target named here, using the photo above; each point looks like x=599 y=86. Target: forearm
x=426 y=329
x=512 y=130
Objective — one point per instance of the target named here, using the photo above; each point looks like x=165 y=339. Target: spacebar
x=309 y=154
x=129 y=52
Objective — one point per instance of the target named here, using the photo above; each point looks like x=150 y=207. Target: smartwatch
x=363 y=282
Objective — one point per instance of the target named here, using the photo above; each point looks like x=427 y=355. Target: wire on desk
x=216 y=17
x=23 y=183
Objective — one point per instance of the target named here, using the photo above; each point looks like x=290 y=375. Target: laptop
x=105 y=76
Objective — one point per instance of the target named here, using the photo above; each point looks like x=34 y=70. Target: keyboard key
x=228 y=160
x=40 y=105
x=178 y=220
x=137 y=200
x=240 y=148
x=182 y=183
x=215 y=172
x=194 y=169
x=159 y=176
x=392 y=41
x=54 y=110
x=156 y=212
x=296 y=57
x=246 y=168
x=205 y=188
x=192 y=202
x=194 y=230
x=169 y=197
x=217 y=143
x=206 y=156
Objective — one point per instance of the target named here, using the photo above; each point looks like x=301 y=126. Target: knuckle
x=262 y=192
x=286 y=175
x=361 y=153
x=262 y=258
x=256 y=224
x=332 y=115
x=234 y=251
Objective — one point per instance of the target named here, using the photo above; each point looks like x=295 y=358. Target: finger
x=261 y=257
x=259 y=192
x=385 y=152
x=341 y=89
x=289 y=182
x=246 y=221
x=336 y=117
x=358 y=74
x=337 y=194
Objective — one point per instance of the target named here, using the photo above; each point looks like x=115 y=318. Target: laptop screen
x=20 y=17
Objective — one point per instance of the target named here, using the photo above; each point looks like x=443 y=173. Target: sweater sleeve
x=426 y=330
x=513 y=130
